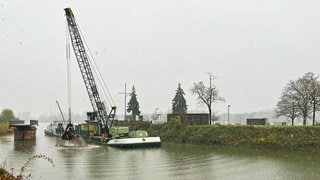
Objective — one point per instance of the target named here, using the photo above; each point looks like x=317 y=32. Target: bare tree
x=302 y=96
x=314 y=87
x=307 y=95
x=207 y=95
x=287 y=106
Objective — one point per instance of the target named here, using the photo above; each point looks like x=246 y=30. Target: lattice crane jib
x=82 y=57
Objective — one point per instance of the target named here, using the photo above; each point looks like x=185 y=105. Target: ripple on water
x=171 y=161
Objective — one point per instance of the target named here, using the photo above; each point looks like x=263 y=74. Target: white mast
x=68 y=70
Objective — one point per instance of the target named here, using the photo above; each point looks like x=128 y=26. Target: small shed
x=257 y=121
x=191 y=118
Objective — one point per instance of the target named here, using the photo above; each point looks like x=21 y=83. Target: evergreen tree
x=133 y=104
x=179 y=105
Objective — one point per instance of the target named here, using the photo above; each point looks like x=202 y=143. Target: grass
x=278 y=137
x=3 y=128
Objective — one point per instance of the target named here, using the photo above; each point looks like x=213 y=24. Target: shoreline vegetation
x=5 y=129
x=19 y=174
x=294 y=138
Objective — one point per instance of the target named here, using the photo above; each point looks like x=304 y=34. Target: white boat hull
x=135 y=142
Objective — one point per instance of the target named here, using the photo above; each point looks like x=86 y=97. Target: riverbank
x=4 y=129
x=273 y=137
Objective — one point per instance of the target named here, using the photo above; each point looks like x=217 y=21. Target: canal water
x=171 y=161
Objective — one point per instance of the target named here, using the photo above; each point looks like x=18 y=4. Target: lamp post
x=229 y=114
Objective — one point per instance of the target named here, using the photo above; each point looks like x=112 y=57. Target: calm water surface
x=171 y=161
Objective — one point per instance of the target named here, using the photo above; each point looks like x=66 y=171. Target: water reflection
x=26 y=146
x=192 y=162
x=69 y=159
x=171 y=161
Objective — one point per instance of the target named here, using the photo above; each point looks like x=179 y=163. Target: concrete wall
x=25 y=134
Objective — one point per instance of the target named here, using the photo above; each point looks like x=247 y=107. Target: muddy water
x=171 y=161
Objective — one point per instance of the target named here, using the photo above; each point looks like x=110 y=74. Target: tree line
x=300 y=98
x=7 y=115
x=206 y=96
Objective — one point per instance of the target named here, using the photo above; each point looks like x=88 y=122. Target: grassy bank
x=3 y=128
x=279 y=137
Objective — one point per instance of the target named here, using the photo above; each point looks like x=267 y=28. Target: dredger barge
x=98 y=128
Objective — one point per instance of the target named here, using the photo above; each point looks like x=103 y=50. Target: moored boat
x=118 y=136
x=55 y=128
x=135 y=142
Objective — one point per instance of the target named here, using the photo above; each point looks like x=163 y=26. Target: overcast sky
x=254 y=48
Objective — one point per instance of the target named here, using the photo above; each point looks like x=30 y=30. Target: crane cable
x=97 y=72
x=105 y=90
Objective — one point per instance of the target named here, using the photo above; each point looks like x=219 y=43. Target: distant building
x=257 y=121
x=191 y=119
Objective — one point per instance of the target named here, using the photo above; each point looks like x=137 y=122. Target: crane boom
x=82 y=57
x=60 y=111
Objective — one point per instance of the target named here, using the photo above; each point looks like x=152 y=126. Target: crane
x=99 y=114
x=98 y=128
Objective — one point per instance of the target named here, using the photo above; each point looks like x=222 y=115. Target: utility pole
x=229 y=113
x=125 y=100
x=211 y=77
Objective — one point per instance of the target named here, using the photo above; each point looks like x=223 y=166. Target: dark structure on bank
x=191 y=118
x=257 y=121
x=24 y=131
